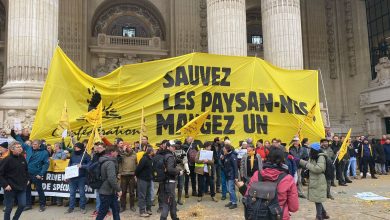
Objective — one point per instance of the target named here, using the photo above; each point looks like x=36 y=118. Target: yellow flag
x=93 y=138
x=143 y=126
x=344 y=146
x=94 y=117
x=192 y=128
x=64 y=120
x=310 y=116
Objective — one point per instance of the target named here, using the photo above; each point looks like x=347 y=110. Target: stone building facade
x=101 y=35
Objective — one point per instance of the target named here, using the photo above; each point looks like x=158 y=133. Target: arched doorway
x=126 y=32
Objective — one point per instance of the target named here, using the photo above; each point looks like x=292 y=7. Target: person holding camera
x=182 y=165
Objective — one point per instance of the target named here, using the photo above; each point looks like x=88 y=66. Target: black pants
x=193 y=180
x=203 y=182
x=320 y=210
x=340 y=174
x=368 y=162
x=169 y=201
x=127 y=185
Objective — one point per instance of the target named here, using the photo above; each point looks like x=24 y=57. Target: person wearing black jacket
x=168 y=187
x=143 y=172
x=340 y=165
x=380 y=158
x=352 y=162
x=14 y=180
x=231 y=172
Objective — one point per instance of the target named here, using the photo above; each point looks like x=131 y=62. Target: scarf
x=252 y=158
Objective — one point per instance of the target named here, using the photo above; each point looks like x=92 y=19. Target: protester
x=37 y=159
x=127 y=166
x=158 y=163
x=262 y=150
x=192 y=149
x=81 y=159
x=143 y=173
x=305 y=156
x=324 y=143
x=340 y=165
x=317 y=181
x=217 y=148
x=383 y=139
x=297 y=152
x=14 y=179
x=58 y=154
x=168 y=187
x=110 y=190
x=386 y=148
x=182 y=165
x=3 y=150
x=99 y=151
x=231 y=173
x=250 y=163
x=351 y=170
x=273 y=168
x=380 y=158
x=203 y=169
x=367 y=159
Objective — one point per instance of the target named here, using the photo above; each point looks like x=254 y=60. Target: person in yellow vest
x=367 y=158
x=203 y=168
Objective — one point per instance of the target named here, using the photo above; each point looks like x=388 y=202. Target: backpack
x=94 y=178
x=329 y=170
x=159 y=167
x=262 y=202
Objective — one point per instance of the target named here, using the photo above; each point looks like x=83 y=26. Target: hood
x=105 y=158
x=271 y=174
x=163 y=152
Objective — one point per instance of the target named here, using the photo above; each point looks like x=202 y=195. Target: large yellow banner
x=246 y=96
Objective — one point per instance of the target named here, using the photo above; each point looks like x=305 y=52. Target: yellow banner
x=246 y=97
x=344 y=146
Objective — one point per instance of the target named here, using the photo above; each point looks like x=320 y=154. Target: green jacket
x=317 y=181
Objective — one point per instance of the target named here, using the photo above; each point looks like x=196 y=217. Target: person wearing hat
x=317 y=181
x=168 y=187
x=81 y=160
x=161 y=153
x=3 y=150
x=14 y=179
x=297 y=152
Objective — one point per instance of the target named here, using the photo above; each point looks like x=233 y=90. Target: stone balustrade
x=107 y=40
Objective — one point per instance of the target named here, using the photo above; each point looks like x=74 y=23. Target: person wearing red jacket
x=287 y=190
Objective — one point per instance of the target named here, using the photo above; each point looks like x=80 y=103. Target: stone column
x=226 y=27
x=282 y=33
x=31 y=40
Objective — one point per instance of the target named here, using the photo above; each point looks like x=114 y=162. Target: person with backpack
x=203 y=168
x=158 y=163
x=169 y=184
x=143 y=172
x=94 y=173
x=324 y=144
x=192 y=150
x=231 y=172
x=250 y=163
x=317 y=180
x=283 y=190
x=110 y=190
x=127 y=166
x=81 y=159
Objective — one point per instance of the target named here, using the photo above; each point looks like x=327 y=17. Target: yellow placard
x=246 y=97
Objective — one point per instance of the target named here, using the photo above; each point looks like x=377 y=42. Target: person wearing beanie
x=3 y=150
x=79 y=182
x=231 y=173
x=317 y=181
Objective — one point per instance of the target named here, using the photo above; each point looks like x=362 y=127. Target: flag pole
x=326 y=101
x=142 y=121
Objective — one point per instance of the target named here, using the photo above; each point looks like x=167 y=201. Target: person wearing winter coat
x=386 y=148
x=287 y=189
x=203 y=169
x=317 y=181
x=367 y=155
x=250 y=163
x=231 y=173
x=380 y=158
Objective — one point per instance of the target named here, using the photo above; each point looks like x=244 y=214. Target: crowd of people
x=254 y=169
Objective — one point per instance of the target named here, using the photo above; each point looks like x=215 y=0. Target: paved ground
x=345 y=206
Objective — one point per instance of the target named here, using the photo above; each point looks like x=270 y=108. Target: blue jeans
x=232 y=193
x=38 y=188
x=97 y=200
x=9 y=197
x=106 y=202
x=352 y=166
x=223 y=183
x=74 y=184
